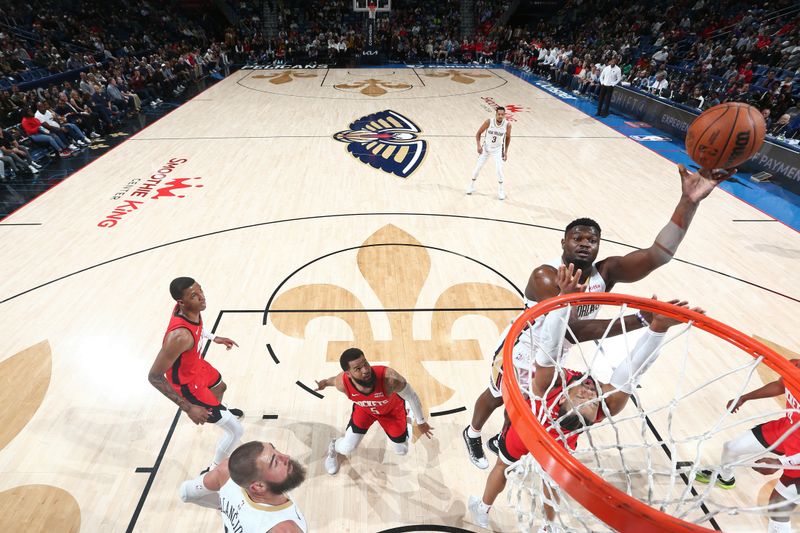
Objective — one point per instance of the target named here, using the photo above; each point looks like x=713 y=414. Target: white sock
x=195 y=491
x=779 y=527
x=232 y=432
x=472 y=433
x=483 y=508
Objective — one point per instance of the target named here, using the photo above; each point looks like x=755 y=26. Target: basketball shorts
x=393 y=423
x=510 y=446
x=769 y=433
x=198 y=390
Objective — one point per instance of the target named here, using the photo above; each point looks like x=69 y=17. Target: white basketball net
x=674 y=425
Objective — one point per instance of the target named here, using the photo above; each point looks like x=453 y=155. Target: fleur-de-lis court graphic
x=457 y=76
x=35 y=507
x=396 y=267
x=374 y=87
x=285 y=76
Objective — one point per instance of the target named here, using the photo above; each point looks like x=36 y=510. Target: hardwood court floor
x=255 y=198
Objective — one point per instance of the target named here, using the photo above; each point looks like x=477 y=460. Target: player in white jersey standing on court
x=495 y=143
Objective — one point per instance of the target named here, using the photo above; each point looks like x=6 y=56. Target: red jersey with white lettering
x=511 y=446
x=552 y=401
x=780 y=436
x=377 y=402
x=188 y=364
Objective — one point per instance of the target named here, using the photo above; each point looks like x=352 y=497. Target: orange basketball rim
x=617 y=509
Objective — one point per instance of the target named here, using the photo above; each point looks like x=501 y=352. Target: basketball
x=725 y=135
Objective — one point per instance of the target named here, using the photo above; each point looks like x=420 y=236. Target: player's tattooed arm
x=177 y=342
x=335 y=381
x=695 y=186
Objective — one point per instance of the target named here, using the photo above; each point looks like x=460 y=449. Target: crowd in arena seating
x=71 y=73
x=328 y=32
x=697 y=53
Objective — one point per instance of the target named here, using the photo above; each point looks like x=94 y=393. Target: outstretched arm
x=335 y=381
x=626 y=376
x=216 y=339
x=393 y=382
x=636 y=265
x=770 y=390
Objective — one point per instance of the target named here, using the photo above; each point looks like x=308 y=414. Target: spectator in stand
x=682 y=96
x=746 y=72
x=583 y=78
x=779 y=127
x=101 y=105
x=659 y=86
x=696 y=99
x=767 y=119
x=85 y=85
x=594 y=82
x=85 y=121
x=21 y=155
x=57 y=125
x=711 y=101
x=661 y=56
x=33 y=129
x=119 y=99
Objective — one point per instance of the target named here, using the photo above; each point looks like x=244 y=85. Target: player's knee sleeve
x=194 y=491
x=400 y=448
x=345 y=445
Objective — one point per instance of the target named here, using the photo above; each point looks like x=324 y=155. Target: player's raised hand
x=766 y=471
x=661 y=323
x=736 y=403
x=321 y=384
x=198 y=414
x=569 y=280
x=226 y=341
x=426 y=429
x=698 y=185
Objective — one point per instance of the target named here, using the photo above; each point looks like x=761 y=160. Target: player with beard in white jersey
x=250 y=490
x=495 y=143
x=580 y=246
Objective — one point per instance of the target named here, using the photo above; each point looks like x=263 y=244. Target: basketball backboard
x=382 y=6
